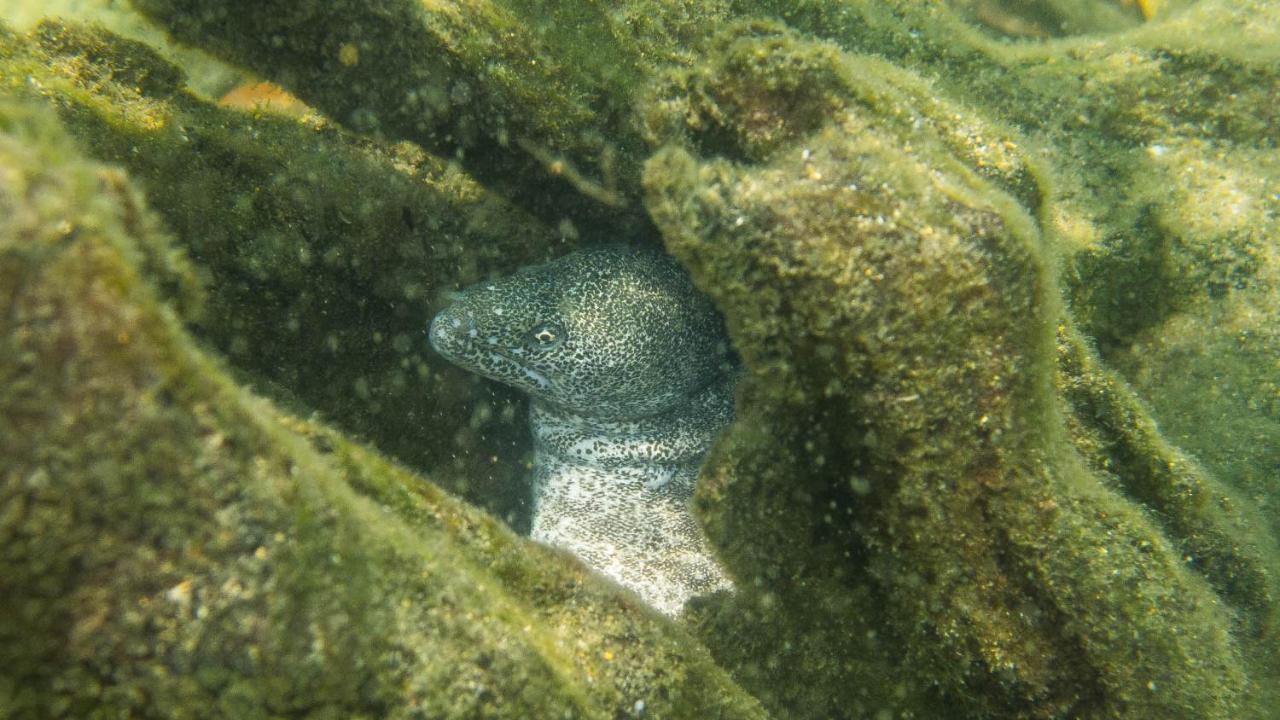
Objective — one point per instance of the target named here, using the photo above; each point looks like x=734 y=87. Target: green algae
x=1111 y=110
x=176 y=547
x=340 y=247
x=205 y=74
x=512 y=90
x=1048 y=18
x=895 y=310
x=1209 y=374
x=1207 y=365
x=939 y=500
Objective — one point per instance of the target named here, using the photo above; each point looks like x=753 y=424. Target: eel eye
x=546 y=336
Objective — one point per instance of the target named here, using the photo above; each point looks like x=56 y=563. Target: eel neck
x=676 y=436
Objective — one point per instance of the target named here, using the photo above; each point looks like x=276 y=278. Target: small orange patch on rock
x=263 y=96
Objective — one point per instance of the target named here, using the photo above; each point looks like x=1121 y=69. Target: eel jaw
x=457 y=339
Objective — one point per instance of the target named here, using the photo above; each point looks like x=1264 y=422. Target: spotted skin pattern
x=630 y=378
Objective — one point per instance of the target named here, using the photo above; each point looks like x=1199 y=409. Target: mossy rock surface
x=323 y=254
x=176 y=547
x=896 y=308
x=966 y=274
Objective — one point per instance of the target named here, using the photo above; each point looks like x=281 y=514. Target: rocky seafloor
x=1004 y=277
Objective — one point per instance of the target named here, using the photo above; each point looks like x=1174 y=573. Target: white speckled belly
x=640 y=536
x=616 y=494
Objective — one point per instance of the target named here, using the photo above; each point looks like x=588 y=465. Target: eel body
x=630 y=377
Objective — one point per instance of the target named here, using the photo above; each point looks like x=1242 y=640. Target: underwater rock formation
x=323 y=253
x=940 y=499
x=896 y=312
x=173 y=546
x=513 y=92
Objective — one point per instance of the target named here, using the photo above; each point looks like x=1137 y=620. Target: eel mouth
x=458 y=340
x=447 y=335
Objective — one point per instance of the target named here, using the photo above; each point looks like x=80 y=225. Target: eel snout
x=451 y=332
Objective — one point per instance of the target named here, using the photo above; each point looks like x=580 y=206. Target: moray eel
x=630 y=377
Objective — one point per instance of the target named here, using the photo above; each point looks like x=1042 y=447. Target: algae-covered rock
x=1212 y=378
x=204 y=73
x=1049 y=18
x=172 y=546
x=947 y=260
x=514 y=91
x=325 y=255
x=1207 y=363
x=900 y=440
x=1146 y=126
